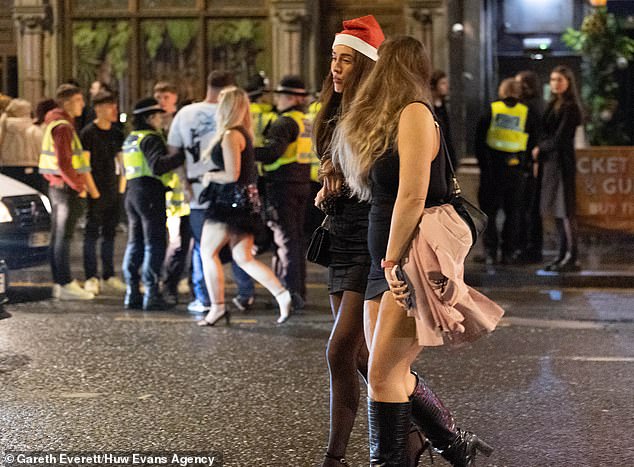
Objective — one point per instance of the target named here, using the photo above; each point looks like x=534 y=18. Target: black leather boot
x=461 y=452
x=437 y=423
x=133 y=299
x=389 y=424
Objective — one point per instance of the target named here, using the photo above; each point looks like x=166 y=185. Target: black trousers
x=102 y=217
x=501 y=187
x=287 y=223
x=66 y=210
x=145 y=206
x=531 y=235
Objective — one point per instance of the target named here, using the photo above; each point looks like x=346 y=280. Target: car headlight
x=5 y=215
x=46 y=202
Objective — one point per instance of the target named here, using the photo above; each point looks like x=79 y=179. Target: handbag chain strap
x=443 y=147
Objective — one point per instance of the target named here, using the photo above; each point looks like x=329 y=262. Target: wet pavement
x=551 y=387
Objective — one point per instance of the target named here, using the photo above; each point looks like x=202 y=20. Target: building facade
x=131 y=44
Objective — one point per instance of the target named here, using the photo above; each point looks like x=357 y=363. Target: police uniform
x=148 y=172
x=504 y=134
x=286 y=162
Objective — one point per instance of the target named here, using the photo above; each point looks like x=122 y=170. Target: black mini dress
x=238 y=220
x=385 y=181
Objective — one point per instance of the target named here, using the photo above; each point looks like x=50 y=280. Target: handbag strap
x=454 y=185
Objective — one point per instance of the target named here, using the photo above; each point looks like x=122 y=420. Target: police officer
x=504 y=133
x=286 y=158
x=148 y=169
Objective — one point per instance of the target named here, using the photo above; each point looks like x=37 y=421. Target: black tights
x=347 y=357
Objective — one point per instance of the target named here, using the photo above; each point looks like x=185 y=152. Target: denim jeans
x=66 y=210
x=145 y=206
x=244 y=282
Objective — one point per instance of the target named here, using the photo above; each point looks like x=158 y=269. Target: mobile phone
x=400 y=275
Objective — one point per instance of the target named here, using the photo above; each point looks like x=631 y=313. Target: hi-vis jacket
x=175 y=198
x=507 y=131
x=299 y=151
x=48 y=160
x=313 y=110
x=262 y=115
x=134 y=161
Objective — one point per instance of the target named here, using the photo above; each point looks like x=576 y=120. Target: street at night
x=551 y=387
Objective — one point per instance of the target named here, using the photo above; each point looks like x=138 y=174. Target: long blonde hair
x=233 y=110
x=369 y=127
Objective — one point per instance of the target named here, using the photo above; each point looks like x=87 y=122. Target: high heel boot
x=388 y=424
x=437 y=423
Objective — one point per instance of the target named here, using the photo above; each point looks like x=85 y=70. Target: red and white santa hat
x=361 y=34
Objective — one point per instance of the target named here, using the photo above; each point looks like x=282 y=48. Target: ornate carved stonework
x=290 y=24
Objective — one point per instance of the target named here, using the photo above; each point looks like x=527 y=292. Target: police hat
x=293 y=85
x=147 y=106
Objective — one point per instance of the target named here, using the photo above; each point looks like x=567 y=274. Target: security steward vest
x=507 y=132
x=48 y=160
x=261 y=115
x=299 y=151
x=175 y=198
x=313 y=110
x=134 y=161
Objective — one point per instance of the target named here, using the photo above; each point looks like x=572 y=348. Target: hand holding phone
x=400 y=288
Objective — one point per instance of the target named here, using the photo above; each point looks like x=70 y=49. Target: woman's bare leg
x=242 y=252
x=214 y=237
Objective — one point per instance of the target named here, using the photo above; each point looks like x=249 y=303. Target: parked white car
x=25 y=224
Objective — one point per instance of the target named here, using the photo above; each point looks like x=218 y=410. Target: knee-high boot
x=389 y=424
x=437 y=423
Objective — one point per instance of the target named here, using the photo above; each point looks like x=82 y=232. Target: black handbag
x=475 y=219
x=319 y=246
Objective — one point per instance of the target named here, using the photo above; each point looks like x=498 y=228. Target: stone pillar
x=426 y=20
x=31 y=19
x=289 y=22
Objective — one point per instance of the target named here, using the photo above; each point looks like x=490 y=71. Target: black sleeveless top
x=248 y=170
x=384 y=179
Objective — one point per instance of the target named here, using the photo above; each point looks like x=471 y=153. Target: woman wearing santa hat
x=387 y=146
x=354 y=53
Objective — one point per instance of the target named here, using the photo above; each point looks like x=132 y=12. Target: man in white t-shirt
x=192 y=129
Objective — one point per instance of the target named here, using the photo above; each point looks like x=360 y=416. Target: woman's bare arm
x=418 y=144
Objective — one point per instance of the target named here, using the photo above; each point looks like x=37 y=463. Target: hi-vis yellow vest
x=507 y=130
x=48 y=160
x=134 y=161
x=299 y=150
x=175 y=198
x=313 y=110
x=261 y=115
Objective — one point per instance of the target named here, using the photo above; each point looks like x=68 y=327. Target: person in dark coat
x=531 y=236
x=556 y=155
x=439 y=84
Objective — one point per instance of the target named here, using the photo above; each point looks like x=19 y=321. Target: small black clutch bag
x=319 y=246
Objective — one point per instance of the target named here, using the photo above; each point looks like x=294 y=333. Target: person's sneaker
x=197 y=307
x=183 y=287
x=115 y=284
x=243 y=303
x=92 y=286
x=71 y=291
